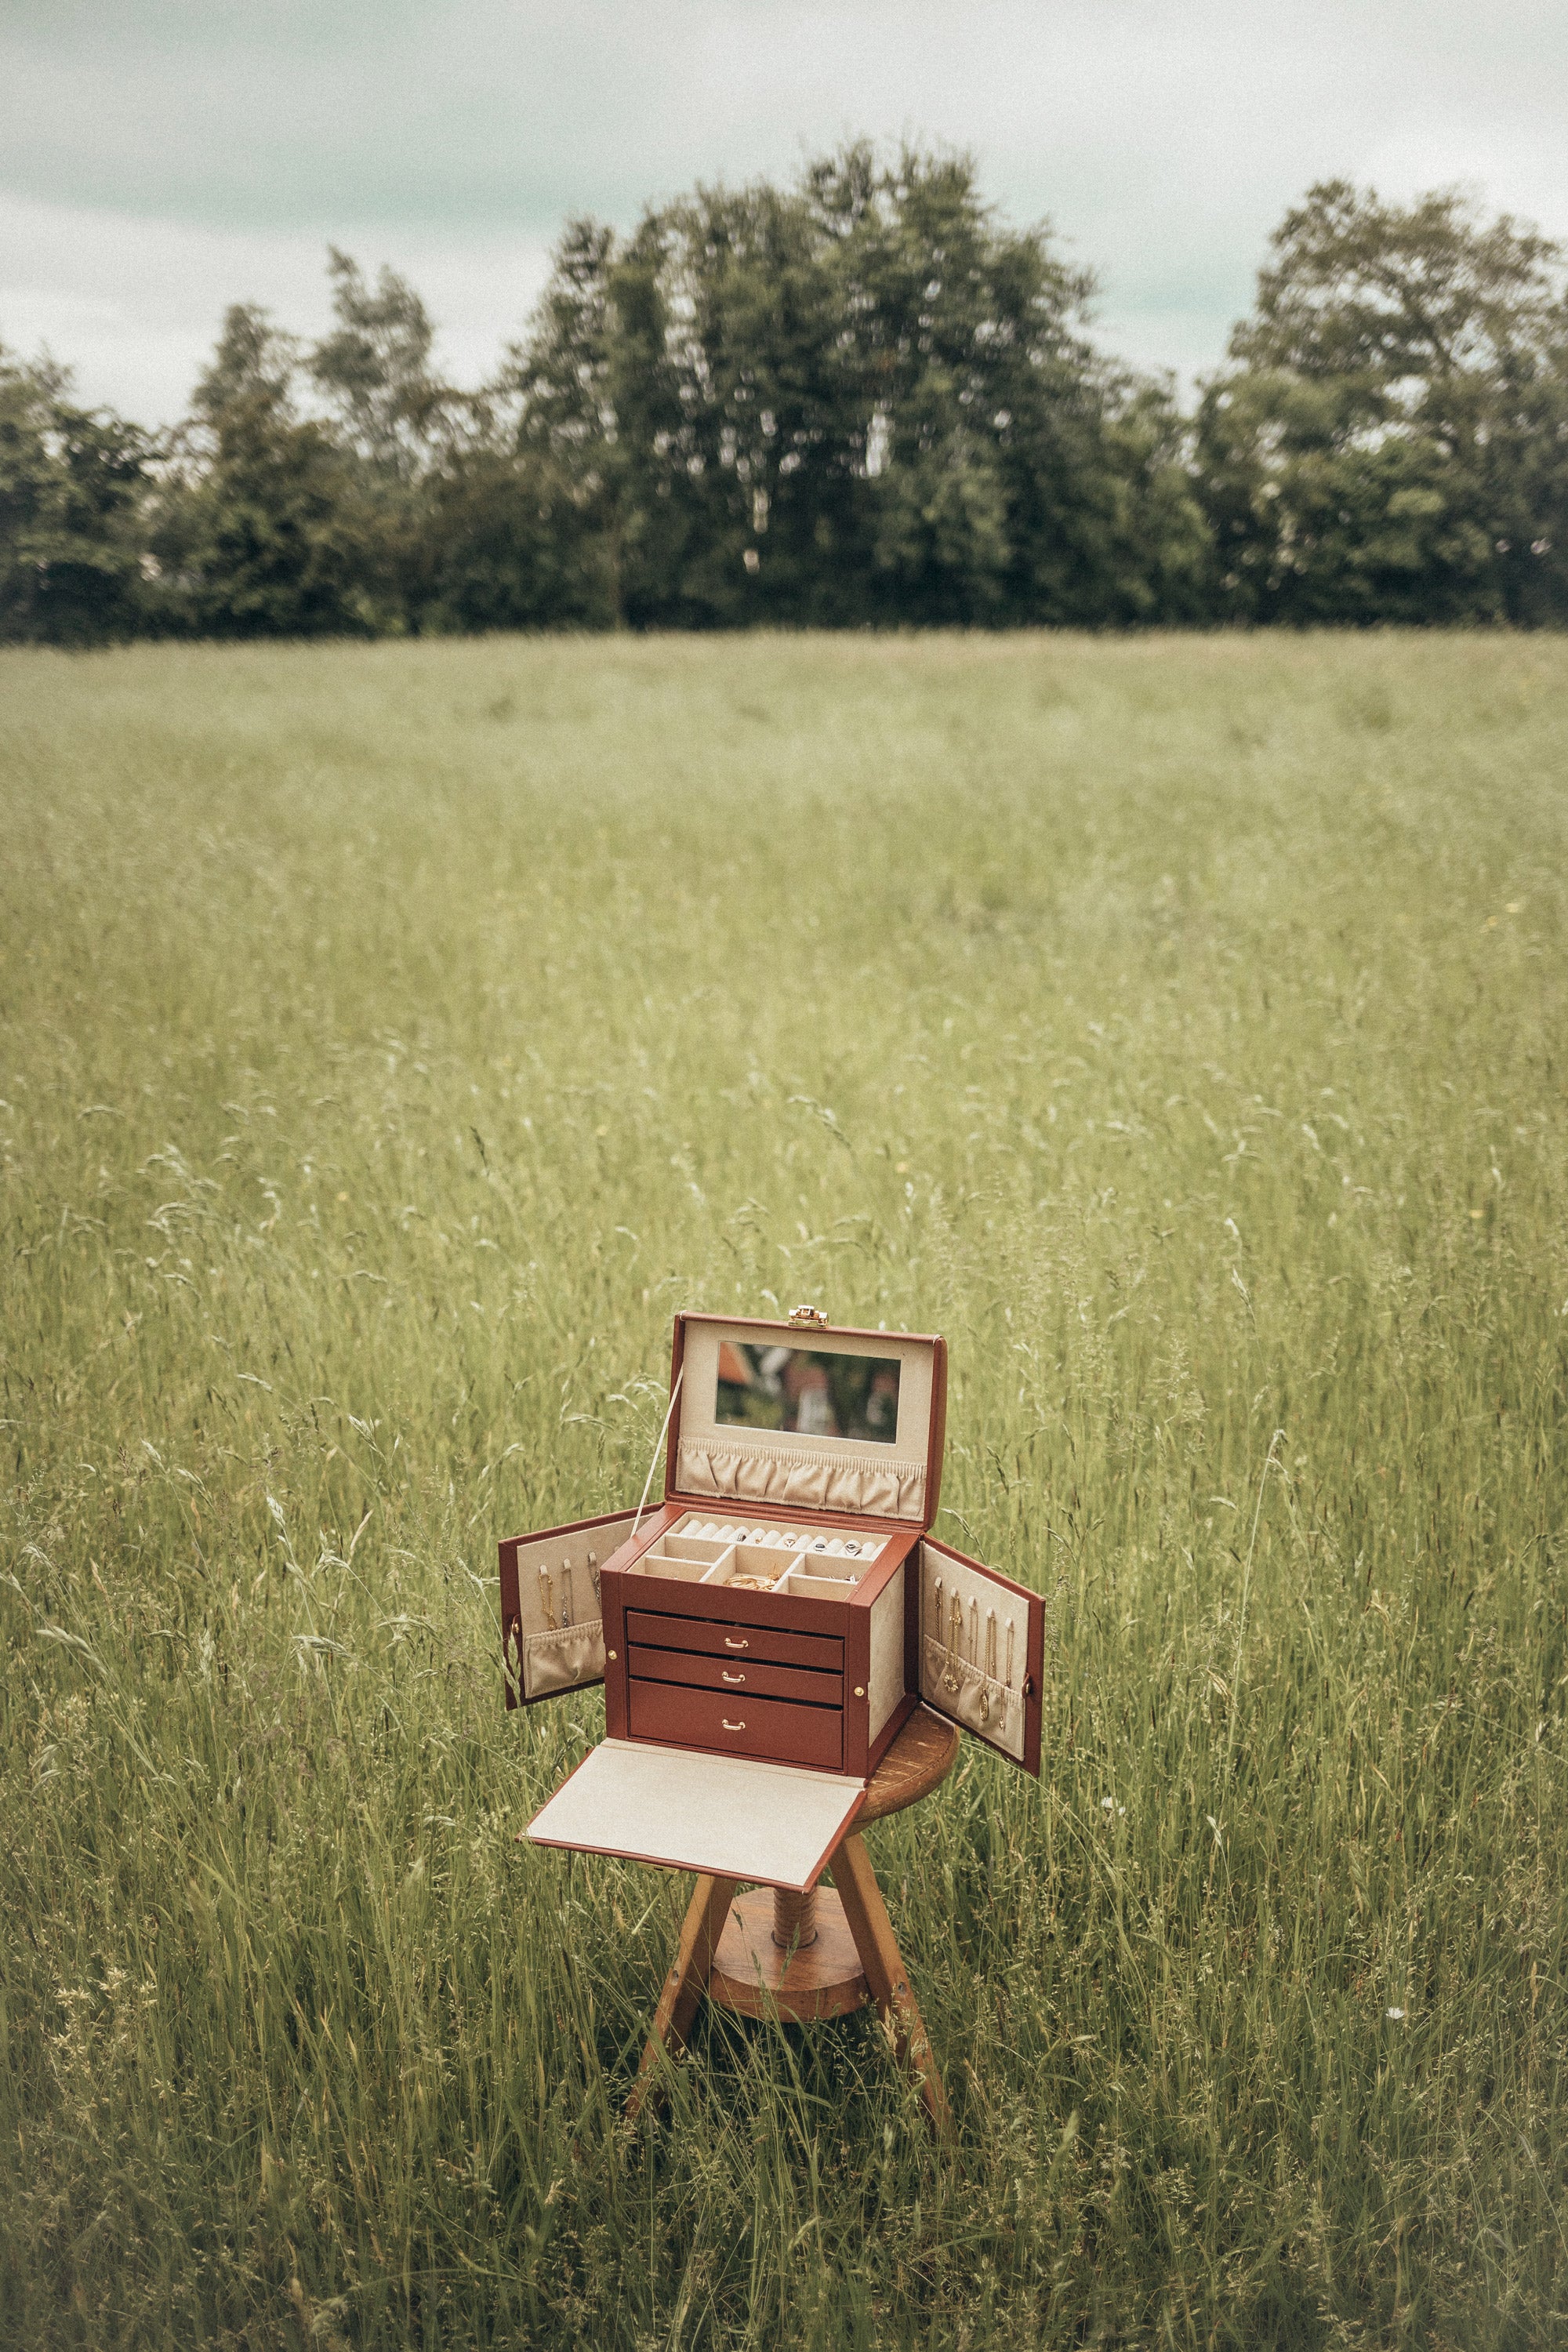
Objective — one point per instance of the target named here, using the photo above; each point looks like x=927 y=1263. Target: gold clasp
x=815 y=1316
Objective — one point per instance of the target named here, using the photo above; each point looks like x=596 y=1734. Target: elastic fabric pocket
x=565 y=1658
x=790 y=1478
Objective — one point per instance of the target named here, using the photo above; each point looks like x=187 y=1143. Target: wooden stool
x=802 y=1957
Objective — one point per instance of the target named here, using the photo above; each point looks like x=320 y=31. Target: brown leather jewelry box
x=786 y=1601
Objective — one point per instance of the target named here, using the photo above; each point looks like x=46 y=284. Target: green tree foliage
x=74 y=486
x=265 y=529
x=525 y=510
x=504 y=547
x=402 y=430
x=1391 y=441
x=858 y=399
x=375 y=368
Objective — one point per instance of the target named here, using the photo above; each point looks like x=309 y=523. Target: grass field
x=391 y=1039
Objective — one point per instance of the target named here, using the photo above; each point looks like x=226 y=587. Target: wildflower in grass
x=1397 y=2015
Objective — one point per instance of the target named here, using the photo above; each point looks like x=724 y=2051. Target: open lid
x=726 y=1816
x=806 y=1416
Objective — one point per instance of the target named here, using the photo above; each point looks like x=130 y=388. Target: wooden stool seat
x=919 y=1760
x=820 y=1953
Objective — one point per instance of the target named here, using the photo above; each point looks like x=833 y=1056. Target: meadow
x=391 y=1038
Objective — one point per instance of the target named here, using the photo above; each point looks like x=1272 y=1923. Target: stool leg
x=683 y=1987
x=887 y=1975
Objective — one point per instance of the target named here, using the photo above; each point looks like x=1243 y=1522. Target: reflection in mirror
x=807 y=1392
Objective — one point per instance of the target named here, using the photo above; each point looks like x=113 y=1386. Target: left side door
x=553 y=1629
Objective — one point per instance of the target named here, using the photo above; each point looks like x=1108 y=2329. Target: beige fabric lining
x=886 y=1677
x=953 y=1688
x=972 y=1669
x=559 y=1643
x=765 y=1465
x=871 y=1485
x=731 y=1815
x=560 y=1660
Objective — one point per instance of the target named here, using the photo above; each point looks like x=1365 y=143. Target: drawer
x=824 y=1652
x=733 y=1674
x=725 y=1726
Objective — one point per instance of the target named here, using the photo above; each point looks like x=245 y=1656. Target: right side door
x=982 y=1652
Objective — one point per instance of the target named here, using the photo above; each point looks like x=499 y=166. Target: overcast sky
x=161 y=158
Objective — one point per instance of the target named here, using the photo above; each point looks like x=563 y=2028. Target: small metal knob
x=859 y=1690
x=609 y=1653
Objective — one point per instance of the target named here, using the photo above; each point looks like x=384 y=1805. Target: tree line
x=858 y=400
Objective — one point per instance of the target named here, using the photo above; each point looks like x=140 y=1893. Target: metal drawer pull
x=730 y=1726
x=730 y=1678
x=735 y=1646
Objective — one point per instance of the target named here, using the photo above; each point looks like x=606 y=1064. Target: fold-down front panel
x=727 y=1816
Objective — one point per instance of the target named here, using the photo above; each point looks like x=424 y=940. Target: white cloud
x=135 y=305
x=164 y=159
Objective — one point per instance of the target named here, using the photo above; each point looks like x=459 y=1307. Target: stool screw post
x=794 y=1917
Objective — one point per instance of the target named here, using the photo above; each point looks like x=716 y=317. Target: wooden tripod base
x=803 y=1956
x=788 y=1955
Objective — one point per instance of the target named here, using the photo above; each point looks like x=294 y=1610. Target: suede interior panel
x=767 y=1825
x=560 y=1635
x=863 y=1484
x=886 y=1687
x=781 y=1466
x=974 y=1647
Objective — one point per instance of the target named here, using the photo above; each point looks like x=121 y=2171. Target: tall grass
x=392 y=1038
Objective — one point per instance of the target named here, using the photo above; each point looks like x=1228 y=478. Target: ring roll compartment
x=698 y=1528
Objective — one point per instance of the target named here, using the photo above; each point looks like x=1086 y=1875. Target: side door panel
x=553 y=1631
x=982 y=1652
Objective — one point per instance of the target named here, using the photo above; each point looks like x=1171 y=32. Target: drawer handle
x=730 y=1726
x=730 y=1678
x=735 y=1646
